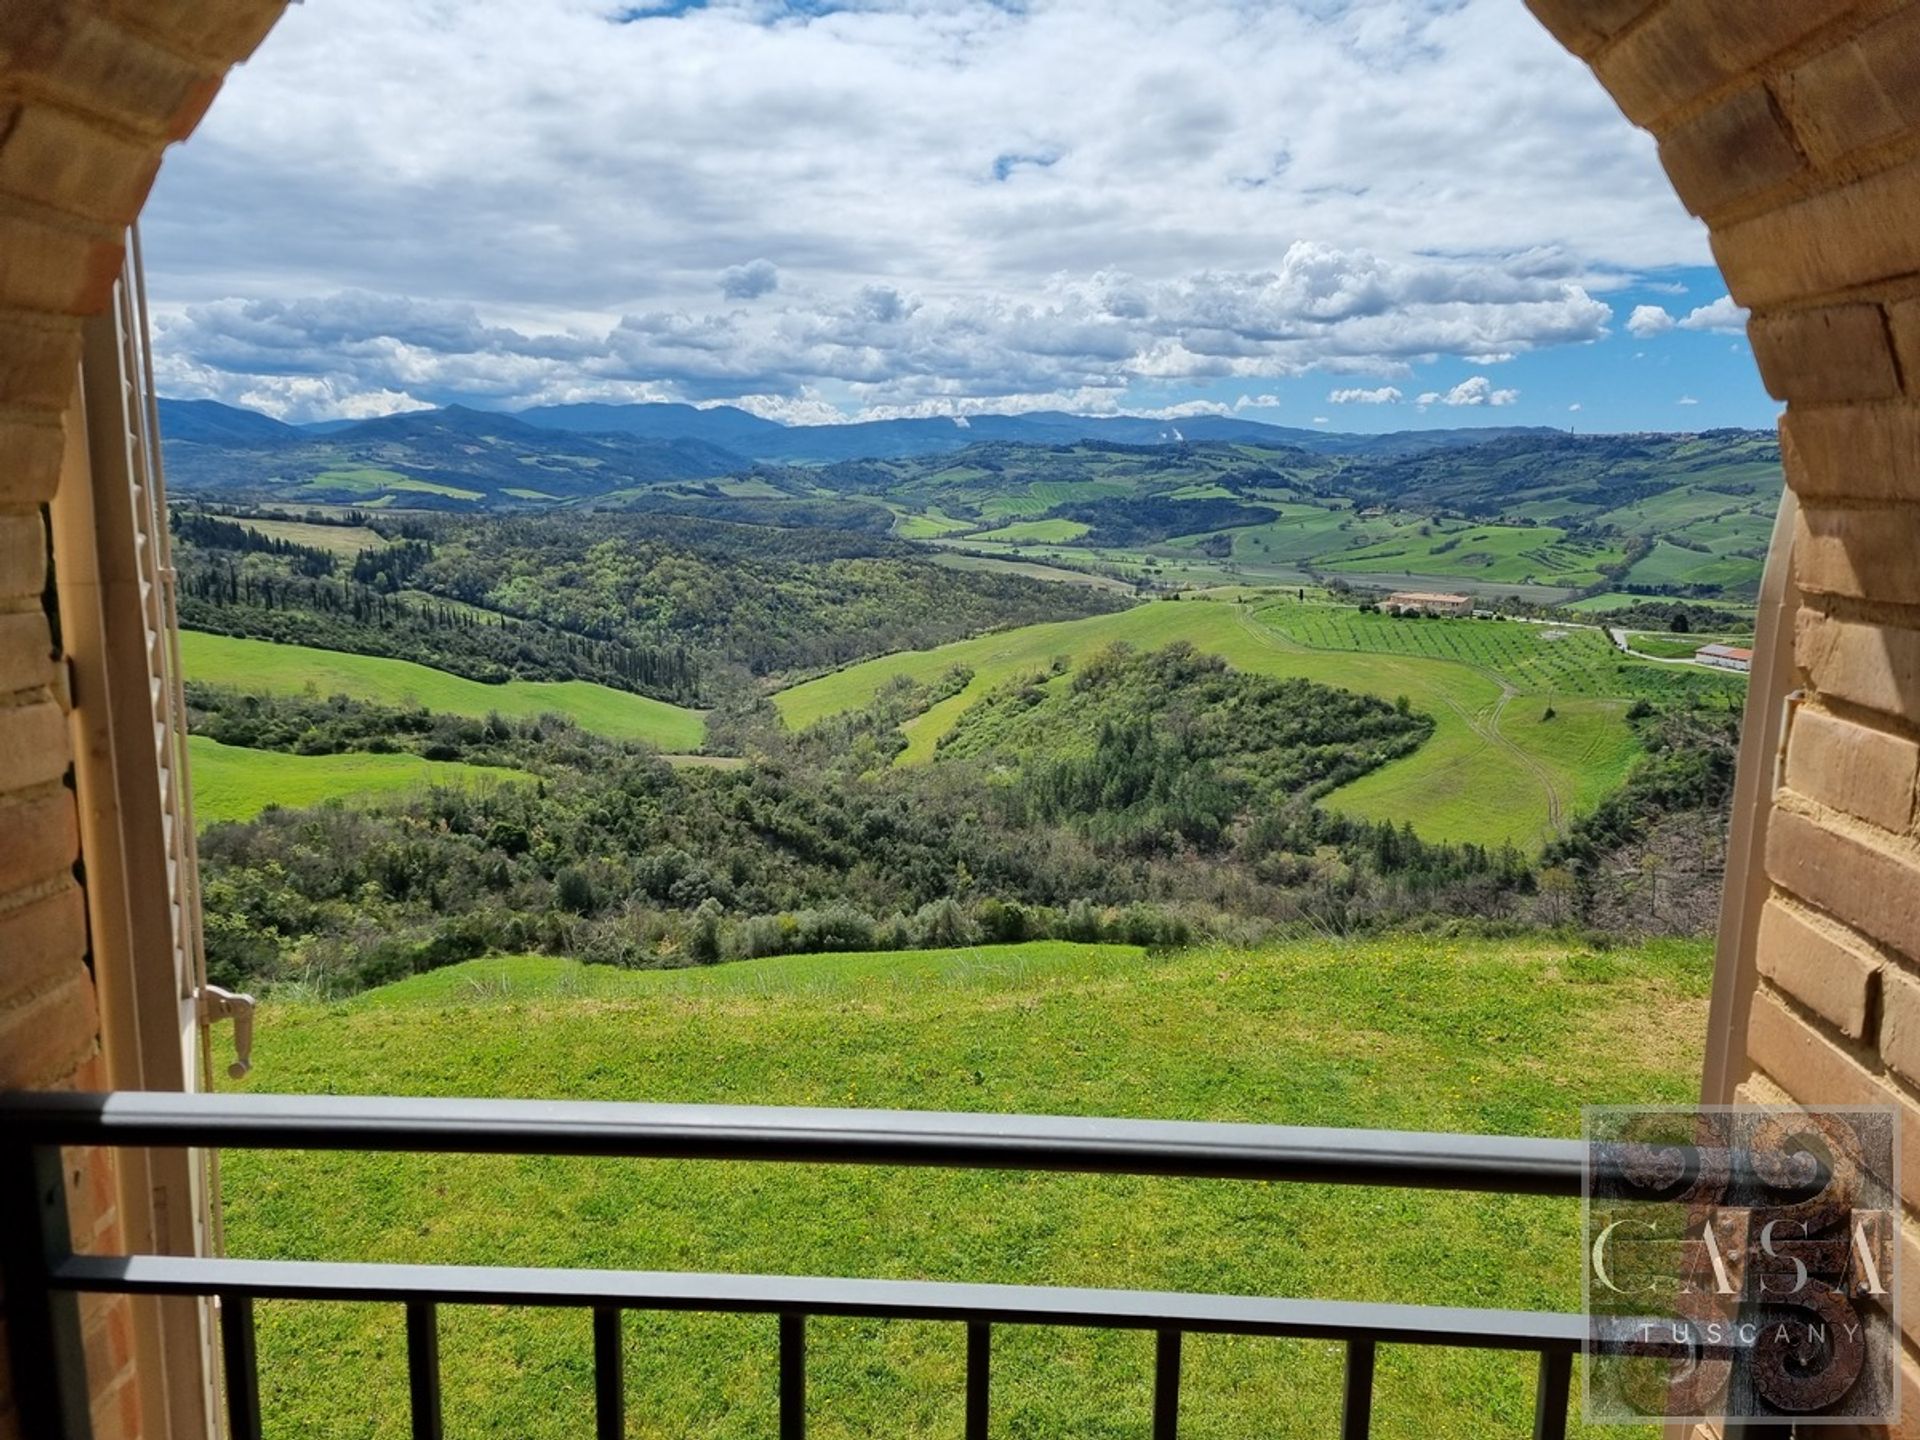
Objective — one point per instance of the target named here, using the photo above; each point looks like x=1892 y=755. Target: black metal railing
x=43 y=1279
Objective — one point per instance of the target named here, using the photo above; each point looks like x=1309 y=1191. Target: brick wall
x=90 y=96
x=1793 y=128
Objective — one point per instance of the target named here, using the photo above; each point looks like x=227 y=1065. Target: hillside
x=676 y=607
x=1408 y=1032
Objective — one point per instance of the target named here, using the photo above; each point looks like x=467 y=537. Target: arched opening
x=1766 y=129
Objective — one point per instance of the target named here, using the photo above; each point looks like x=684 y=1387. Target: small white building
x=1725 y=657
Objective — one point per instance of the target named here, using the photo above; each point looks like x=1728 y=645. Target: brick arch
x=1792 y=127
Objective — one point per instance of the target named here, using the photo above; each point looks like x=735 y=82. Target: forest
x=662 y=605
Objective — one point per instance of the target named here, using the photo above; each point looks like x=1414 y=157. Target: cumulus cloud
x=1385 y=395
x=1722 y=317
x=892 y=205
x=1686 y=400
x=749 y=281
x=1475 y=390
x=1648 y=321
x=1575 y=408
x=887 y=351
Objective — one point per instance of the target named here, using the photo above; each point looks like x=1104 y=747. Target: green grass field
x=231 y=783
x=1407 y=1033
x=1493 y=771
x=370 y=481
x=1536 y=555
x=992 y=564
x=263 y=666
x=1047 y=532
x=346 y=541
x=1672 y=565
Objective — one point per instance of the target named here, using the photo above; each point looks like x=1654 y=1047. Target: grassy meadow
x=345 y=542
x=1497 y=768
x=263 y=666
x=233 y=783
x=1415 y=1033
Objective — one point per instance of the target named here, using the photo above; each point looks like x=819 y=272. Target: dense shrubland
x=819 y=844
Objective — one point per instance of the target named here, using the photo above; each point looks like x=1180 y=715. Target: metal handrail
x=42 y=1278
x=1399 y=1159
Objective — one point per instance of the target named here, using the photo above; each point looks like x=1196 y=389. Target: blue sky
x=925 y=207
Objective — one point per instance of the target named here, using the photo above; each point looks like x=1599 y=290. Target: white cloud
x=1686 y=400
x=1575 y=408
x=1321 y=420
x=892 y=204
x=1648 y=321
x=1475 y=390
x=1385 y=395
x=1722 y=316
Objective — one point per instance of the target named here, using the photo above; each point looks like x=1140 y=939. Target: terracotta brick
x=1873 y=666
x=109 y=1340
x=1905 y=319
x=1863 y=771
x=1819 y=964
x=223 y=34
x=1855 y=235
x=39 y=839
x=82 y=58
x=26 y=656
x=1827 y=354
x=1813 y=1070
x=40 y=943
x=1900 y=1023
x=30 y=451
x=1873 y=887
x=1738 y=147
x=116 y=1411
x=1583 y=26
x=64 y=270
x=34 y=747
x=1855 y=452
x=1860 y=93
x=46 y=1037
x=55 y=158
x=23 y=553
x=1685 y=50
x=39 y=365
x=1863 y=553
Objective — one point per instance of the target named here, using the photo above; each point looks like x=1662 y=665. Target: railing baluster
x=423 y=1368
x=1356 y=1409
x=240 y=1360
x=793 y=1377
x=43 y=1324
x=1553 y=1395
x=979 y=1377
x=1166 y=1385
x=609 y=1381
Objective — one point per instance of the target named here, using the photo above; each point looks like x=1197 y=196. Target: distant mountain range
x=459 y=457
x=768 y=441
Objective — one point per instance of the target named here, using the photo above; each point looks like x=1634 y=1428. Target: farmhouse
x=1725 y=657
x=1431 y=604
